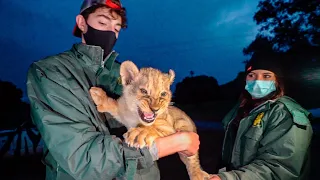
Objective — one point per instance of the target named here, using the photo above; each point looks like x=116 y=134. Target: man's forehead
x=103 y=10
x=107 y=12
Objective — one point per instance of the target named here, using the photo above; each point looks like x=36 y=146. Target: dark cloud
x=204 y=36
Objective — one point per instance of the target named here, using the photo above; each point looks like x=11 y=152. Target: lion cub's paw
x=130 y=136
x=140 y=137
x=98 y=95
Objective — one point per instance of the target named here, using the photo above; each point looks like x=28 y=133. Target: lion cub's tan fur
x=146 y=94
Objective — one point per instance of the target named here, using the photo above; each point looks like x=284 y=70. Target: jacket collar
x=93 y=55
x=263 y=107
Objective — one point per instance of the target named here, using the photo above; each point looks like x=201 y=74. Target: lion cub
x=144 y=109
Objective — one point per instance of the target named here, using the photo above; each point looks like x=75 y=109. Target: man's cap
x=87 y=4
x=270 y=63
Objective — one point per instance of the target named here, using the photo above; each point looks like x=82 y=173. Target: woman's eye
x=267 y=76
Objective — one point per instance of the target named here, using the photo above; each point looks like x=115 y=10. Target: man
x=78 y=142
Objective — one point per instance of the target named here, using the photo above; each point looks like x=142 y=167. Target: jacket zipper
x=103 y=63
x=224 y=139
x=236 y=142
x=104 y=60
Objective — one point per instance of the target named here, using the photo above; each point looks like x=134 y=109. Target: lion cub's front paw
x=98 y=95
x=140 y=137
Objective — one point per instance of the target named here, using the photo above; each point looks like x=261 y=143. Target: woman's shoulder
x=287 y=105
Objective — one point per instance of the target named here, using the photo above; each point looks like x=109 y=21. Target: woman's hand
x=215 y=177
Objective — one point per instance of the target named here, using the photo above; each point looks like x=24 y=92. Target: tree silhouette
x=290 y=27
x=231 y=91
x=290 y=31
x=15 y=115
x=196 y=89
x=13 y=112
x=191 y=73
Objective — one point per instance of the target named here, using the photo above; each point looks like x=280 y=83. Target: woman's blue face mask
x=259 y=89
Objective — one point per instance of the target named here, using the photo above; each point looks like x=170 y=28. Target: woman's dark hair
x=245 y=97
x=122 y=12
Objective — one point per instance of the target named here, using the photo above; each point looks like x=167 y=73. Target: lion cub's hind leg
x=192 y=163
x=193 y=167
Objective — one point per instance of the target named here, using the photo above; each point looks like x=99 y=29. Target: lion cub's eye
x=163 y=94
x=143 y=91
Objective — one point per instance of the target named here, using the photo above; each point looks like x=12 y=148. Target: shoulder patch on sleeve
x=299 y=114
x=119 y=80
x=300 y=118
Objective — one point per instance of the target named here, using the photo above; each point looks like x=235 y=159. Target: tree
x=196 y=89
x=191 y=73
x=288 y=27
x=290 y=30
x=231 y=91
x=13 y=112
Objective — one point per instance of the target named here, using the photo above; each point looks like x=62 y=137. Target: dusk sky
x=205 y=36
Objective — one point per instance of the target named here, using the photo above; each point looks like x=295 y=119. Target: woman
x=267 y=134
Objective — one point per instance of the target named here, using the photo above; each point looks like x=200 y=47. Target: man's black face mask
x=105 y=39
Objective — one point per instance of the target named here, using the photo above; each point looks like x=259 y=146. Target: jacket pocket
x=73 y=83
x=252 y=138
x=251 y=143
x=254 y=133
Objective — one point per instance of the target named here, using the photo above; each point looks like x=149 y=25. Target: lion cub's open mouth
x=147 y=117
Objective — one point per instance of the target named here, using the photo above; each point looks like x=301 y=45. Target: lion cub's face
x=147 y=92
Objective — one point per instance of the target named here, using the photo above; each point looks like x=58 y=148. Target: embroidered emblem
x=257 y=121
x=119 y=80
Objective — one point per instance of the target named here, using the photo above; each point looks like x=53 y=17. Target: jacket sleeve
x=282 y=153
x=72 y=139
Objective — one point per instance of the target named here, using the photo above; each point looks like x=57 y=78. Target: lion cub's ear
x=171 y=76
x=128 y=72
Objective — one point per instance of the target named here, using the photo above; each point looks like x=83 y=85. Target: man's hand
x=186 y=143
x=191 y=143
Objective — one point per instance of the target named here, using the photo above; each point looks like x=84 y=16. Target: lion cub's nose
x=154 y=110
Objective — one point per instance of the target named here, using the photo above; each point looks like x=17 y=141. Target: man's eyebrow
x=102 y=15
x=108 y=17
